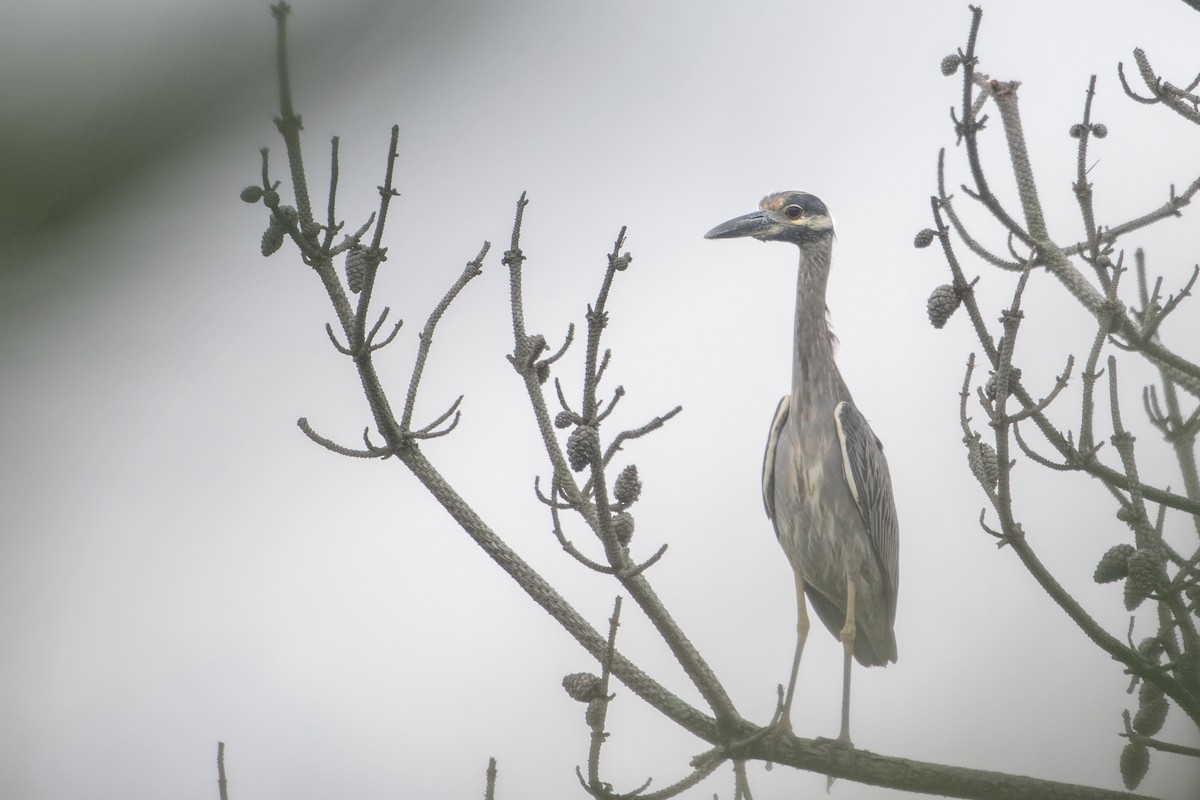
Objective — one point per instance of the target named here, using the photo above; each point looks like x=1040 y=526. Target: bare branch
x=1060 y=383
x=473 y=268
x=569 y=547
x=428 y=431
x=370 y=341
x=222 y=784
x=1037 y=457
x=332 y=226
x=338 y=345
x=1163 y=92
x=490 y=792
x=618 y=393
x=635 y=571
x=329 y=444
x=636 y=433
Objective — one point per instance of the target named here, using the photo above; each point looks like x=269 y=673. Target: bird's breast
x=819 y=524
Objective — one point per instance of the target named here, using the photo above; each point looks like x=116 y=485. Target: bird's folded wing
x=768 y=472
x=870 y=483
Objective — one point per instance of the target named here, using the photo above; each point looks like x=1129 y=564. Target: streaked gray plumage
x=826 y=485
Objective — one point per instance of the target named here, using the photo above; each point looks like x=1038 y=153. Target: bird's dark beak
x=755 y=224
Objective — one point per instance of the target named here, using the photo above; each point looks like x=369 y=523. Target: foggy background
x=179 y=565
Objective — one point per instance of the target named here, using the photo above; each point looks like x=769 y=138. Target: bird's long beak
x=754 y=224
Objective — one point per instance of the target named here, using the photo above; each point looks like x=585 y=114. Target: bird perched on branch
x=826 y=485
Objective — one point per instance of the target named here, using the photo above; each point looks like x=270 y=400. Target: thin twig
x=222 y=784
x=473 y=269
x=329 y=444
x=490 y=792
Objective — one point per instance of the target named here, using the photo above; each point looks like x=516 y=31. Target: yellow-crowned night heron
x=825 y=479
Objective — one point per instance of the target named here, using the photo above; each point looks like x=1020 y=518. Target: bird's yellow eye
x=794 y=212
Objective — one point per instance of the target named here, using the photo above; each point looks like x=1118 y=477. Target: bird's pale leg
x=847 y=637
x=802 y=626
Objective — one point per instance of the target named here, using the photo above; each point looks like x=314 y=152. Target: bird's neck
x=813 y=370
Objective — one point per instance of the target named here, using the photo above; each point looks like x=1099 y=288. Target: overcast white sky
x=179 y=565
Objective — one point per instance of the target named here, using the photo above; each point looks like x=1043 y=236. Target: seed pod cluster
x=1145 y=569
x=583 y=445
x=289 y=215
x=989 y=388
x=942 y=304
x=1135 y=760
x=1114 y=565
x=981 y=458
x=356 y=268
x=272 y=238
x=627 y=488
x=583 y=686
x=924 y=238
x=1152 y=709
x=622 y=525
x=1097 y=129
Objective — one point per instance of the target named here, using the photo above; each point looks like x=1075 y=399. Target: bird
x=825 y=481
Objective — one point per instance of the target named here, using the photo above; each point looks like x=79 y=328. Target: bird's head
x=794 y=217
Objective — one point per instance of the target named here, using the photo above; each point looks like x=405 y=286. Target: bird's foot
x=840 y=754
x=842 y=743
x=780 y=728
x=781 y=725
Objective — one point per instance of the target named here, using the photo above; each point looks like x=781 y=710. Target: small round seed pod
x=627 y=487
x=924 y=238
x=251 y=194
x=950 y=64
x=1114 y=565
x=583 y=445
x=1099 y=130
x=942 y=304
x=270 y=198
x=583 y=686
x=1135 y=761
x=1152 y=709
x=622 y=262
x=1077 y=130
x=563 y=419
x=622 y=525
